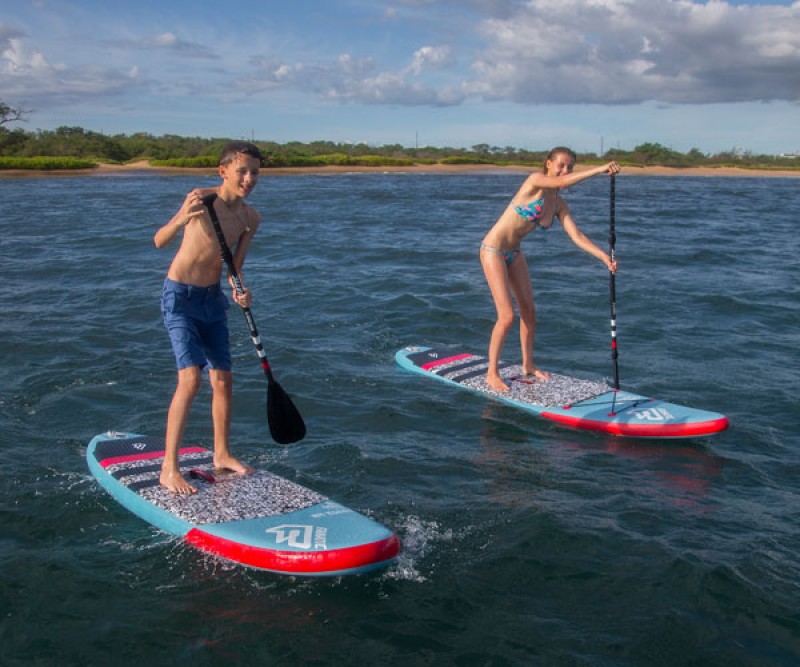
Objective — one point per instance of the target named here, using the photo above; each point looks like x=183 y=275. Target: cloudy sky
x=593 y=74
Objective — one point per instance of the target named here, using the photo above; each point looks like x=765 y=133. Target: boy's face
x=239 y=176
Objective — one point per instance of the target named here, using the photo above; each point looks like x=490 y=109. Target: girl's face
x=560 y=165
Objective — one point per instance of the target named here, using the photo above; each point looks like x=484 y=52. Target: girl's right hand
x=612 y=168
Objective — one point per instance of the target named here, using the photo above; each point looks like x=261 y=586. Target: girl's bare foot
x=174 y=481
x=496 y=383
x=227 y=462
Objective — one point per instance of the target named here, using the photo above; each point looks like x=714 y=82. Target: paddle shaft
x=285 y=423
x=227 y=257
x=612 y=241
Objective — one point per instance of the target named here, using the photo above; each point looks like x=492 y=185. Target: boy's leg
x=188 y=385
x=221 y=409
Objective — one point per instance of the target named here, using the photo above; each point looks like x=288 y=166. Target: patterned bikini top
x=533 y=213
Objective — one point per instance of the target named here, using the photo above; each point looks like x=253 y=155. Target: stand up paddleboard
x=581 y=404
x=260 y=520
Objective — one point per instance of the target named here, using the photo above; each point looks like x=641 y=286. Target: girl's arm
x=581 y=240
x=541 y=180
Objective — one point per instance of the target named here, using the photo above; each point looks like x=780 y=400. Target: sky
x=529 y=74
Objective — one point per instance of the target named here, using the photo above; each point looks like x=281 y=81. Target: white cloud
x=629 y=51
x=171 y=42
x=7 y=33
x=581 y=52
x=444 y=57
x=27 y=75
x=359 y=80
x=430 y=57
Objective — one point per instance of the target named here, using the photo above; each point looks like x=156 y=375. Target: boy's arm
x=243 y=244
x=191 y=209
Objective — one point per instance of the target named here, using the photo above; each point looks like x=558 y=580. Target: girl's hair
x=234 y=148
x=559 y=149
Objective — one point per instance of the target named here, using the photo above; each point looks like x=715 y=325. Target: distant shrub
x=464 y=159
x=334 y=159
x=340 y=159
x=294 y=161
x=200 y=162
x=45 y=163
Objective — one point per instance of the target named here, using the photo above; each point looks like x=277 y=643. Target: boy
x=194 y=306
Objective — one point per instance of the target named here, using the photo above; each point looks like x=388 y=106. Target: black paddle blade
x=285 y=423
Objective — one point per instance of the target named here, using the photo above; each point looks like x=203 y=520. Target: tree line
x=65 y=144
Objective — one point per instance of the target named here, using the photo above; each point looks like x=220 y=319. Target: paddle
x=612 y=241
x=285 y=423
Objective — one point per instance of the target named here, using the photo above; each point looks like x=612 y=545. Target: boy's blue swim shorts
x=197 y=322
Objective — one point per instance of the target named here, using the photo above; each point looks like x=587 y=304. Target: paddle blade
x=285 y=423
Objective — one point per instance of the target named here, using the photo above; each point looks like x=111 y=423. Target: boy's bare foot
x=535 y=372
x=496 y=383
x=227 y=462
x=174 y=481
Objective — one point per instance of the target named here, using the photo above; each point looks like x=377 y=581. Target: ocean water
x=524 y=543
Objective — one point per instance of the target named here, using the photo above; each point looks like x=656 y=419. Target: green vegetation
x=203 y=161
x=9 y=114
x=77 y=148
x=45 y=163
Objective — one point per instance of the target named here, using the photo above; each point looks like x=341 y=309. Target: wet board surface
x=261 y=520
x=581 y=404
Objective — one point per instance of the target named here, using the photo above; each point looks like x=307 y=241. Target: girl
x=537 y=204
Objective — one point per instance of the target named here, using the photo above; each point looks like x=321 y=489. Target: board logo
x=139 y=446
x=300 y=536
x=654 y=415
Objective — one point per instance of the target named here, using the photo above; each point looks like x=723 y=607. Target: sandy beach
x=144 y=165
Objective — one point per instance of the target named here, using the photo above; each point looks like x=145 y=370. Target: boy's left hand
x=245 y=299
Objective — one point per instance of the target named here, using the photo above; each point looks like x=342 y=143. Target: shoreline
x=104 y=169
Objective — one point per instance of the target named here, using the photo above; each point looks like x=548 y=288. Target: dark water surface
x=524 y=543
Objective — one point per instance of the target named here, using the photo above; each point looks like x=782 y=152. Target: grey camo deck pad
x=559 y=390
x=232 y=497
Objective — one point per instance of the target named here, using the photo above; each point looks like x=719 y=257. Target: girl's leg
x=520 y=282
x=496 y=272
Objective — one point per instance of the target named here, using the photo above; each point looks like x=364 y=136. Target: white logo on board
x=654 y=415
x=300 y=536
x=139 y=445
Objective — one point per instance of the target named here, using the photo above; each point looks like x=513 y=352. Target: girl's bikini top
x=533 y=213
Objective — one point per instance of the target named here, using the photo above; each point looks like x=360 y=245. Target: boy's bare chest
x=234 y=222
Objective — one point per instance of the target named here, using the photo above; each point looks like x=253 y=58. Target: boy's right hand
x=192 y=207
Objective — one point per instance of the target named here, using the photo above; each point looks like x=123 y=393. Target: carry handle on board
x=285 y=423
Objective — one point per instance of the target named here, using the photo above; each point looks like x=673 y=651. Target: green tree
x=9 y=114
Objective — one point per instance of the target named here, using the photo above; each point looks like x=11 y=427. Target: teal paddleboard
x=580 y=404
